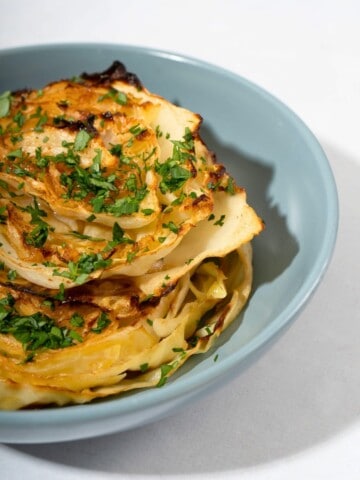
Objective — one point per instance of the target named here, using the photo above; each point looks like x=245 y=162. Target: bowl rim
x=122 y=406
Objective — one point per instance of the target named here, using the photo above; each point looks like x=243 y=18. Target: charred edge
x=62 y=105
x=218 y=173
x=76 y=125
x=21 y=93
x=107 y=116
x=193 y=169
x=24 y=289
x=143 y=135
x=200 y=199
x=153 y=301
x=213 y=156
x=220 y=321
x=116 y=71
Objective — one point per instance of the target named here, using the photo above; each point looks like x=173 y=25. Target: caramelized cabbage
x=124 y=246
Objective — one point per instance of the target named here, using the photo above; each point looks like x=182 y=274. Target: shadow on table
x=303 y=392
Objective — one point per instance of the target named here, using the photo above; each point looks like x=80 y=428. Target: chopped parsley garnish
x=230 y=188
x=19 y=119
x=11 y=275
x=80 y=182
x=173 y=175
x=5 y=103
x=116 y=150
x=118 y=97
x=91 y=218
x=171 y=226
x=136 y=130
x=79 y=271
x=18 y=153
x=144 y=367
x=118 y=234
x=118 y=237
x=165 y=370
x=178 y=350
x=220 y=222
x=42 y=119
x=158 y=131
x=127 y=205
x=130 y=257
x=77 y=320
x=41 y=161
x=102 y=322
x=61 y=294
x=81 y=140
x=3 y=216
x=36 y=331
x=38 y=236
x=147 y=211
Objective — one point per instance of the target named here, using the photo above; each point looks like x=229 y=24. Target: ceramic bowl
x=272 y=154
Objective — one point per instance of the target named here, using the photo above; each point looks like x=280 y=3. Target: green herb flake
x=230 y=188
x=220 y=222
x=119 y=97
x=18 y=153
x=35 y=332
x=75 y=336
x=136 y=130
x=61 y=294
x=48 y=303
x=165 y=370
x=91 y=218
x=38 y=236
x=116 y=150
x=144 y=367
x=3 y=216
x=130 y=257
x=19 y=119
x=79 y=271
x=42 y=119
x=158 y=132
x=147 y=211
x=5 y=103
x=11 y=275
x=81 y=140
x=102 y=322
x=171 y=226
x=77 y=320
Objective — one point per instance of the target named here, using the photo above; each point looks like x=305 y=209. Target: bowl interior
x=268 y=150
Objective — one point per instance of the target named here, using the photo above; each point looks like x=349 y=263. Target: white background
x=295 y=414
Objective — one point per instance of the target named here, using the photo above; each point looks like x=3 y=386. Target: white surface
x=295 y=414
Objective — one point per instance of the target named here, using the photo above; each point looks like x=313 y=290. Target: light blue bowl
x=288 y=179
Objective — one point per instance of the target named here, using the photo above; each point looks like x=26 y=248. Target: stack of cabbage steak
x=125 y=247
